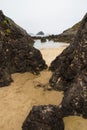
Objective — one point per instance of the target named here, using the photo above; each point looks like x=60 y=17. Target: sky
x=49 y=16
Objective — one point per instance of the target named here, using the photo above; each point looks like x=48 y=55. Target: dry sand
x=17 y=100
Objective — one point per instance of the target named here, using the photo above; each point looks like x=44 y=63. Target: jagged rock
x=10 y=30
x=17 y=56
x=44 y=118
x=75 y=98
x=73 y=59
x=40 y=33
x=70 y=74
x=16 y=52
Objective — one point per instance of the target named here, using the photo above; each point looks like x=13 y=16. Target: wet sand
x=17 y=99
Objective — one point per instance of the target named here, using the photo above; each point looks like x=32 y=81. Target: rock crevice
x=70 y=76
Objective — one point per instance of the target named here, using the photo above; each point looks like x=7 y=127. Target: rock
x=73 y=30
x=70 y=74
x=43 y=39
x=10 y=30
x=67 y=36
x=44 y=118
x=40 y=33
x=75 y=98
x=17 y=56
x=16 y=52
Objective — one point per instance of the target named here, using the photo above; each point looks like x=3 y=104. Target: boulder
x=16 y=52
x=43 y=39
x=44 y=118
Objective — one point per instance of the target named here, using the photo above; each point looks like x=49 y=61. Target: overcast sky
x=50 y=16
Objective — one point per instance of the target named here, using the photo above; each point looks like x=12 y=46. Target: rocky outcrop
x=10 y=30
x=40 y=33
x=73 y=30
x=70 y=76
x=44 y=118
x=16 y=52
x=73 y=59
x=70 y=73
x=67 y=36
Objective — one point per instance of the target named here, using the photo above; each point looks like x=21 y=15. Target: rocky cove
x=20 y=61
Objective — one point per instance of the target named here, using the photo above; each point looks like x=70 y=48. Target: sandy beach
x=27 y=90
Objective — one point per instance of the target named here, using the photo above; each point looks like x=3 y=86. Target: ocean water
x=48 y=44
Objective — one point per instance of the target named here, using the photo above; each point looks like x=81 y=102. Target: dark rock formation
x=44 y=118
x=73 y=30
x=43 y=39
x=10 y=30
x=74 y=58
x=70 y=76
x=16 y=52
x=40 y=33
x=75 y=98
x=70 y=73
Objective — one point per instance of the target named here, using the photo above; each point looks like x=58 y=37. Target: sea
x=49 y=44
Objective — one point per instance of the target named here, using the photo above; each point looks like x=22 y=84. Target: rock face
x=10 y=30
x=40 y=33
x=44 y=118
x=70 y=76
x=16 y=52
x=70 y=73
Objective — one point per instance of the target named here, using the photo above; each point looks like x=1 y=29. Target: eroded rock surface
x=73 y=59
x=44 y=118
x=10 y=30
x=17 y=53
x=70 y=76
